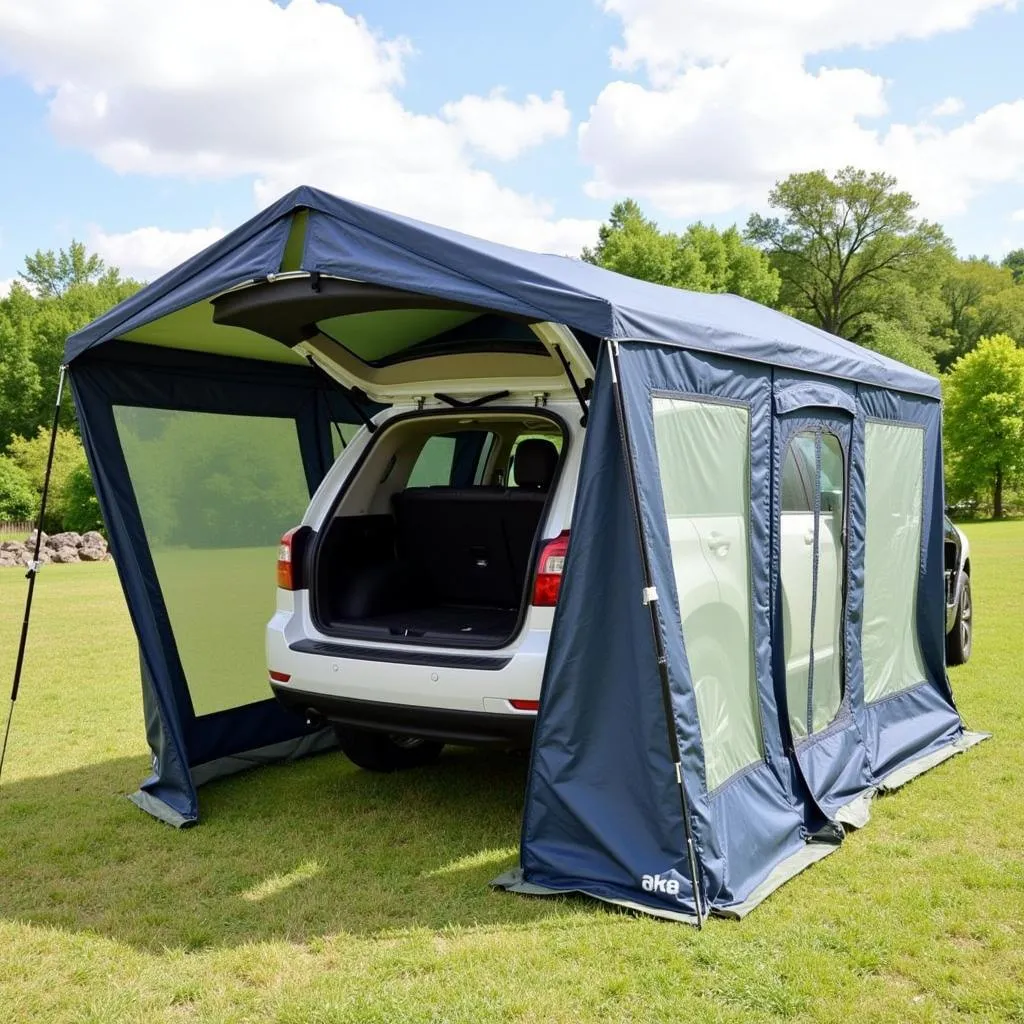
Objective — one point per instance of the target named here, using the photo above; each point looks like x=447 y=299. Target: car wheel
x=961 y=636
x=385 y=752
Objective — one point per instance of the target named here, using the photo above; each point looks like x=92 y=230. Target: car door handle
x=718 y=543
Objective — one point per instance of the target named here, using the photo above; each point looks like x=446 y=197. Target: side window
x=433 y=466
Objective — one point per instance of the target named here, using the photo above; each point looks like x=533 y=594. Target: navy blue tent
x=684 y=761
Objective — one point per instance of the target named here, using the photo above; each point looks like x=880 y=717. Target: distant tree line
x=845 y=252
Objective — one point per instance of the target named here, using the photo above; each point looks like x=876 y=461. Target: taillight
x=549 y=571
x=279 y=677
x=289 y=558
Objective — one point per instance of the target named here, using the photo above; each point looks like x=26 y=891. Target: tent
x=680 y=765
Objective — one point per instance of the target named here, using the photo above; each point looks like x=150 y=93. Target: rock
x=8 y=559
x=30 y=540
x=25 y=556
x=92 y=554
x=66 y=555
x=12 y=545
x=68 y=539
x=94 y=539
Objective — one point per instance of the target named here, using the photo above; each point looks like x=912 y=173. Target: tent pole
x=650 y=599
x=33 y=567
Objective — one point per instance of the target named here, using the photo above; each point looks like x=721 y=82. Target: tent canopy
x=707 y=718
x=312 y=232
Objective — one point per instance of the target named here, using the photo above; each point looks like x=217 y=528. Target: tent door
x=813 y=518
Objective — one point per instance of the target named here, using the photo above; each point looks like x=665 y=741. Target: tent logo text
x=657 y=883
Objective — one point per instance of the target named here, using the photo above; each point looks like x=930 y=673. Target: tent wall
x=758 y=813
x=199 y=728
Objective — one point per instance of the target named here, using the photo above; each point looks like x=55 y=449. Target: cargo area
x=434 y=539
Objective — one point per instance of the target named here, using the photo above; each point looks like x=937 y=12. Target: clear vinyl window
x=812 y=575
x=894 y=473
x=703 y=451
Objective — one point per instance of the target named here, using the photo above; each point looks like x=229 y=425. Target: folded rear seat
x=472 y=545
x=453 y=538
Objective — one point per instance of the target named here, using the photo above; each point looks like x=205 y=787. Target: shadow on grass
x=292 y=852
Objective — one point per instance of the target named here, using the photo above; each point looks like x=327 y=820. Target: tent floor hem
x=156 y=808
x=319 y=742
x=513 y=881
x=857 y=812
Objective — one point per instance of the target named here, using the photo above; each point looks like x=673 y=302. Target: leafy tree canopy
x=51 y=274
x=841 y=242
x=1014 y=262
x=701 y=259
x=984 y=420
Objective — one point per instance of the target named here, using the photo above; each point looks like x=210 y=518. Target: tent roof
x=310 y=231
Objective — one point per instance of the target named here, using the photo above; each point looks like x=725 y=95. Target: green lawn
x=314 y=893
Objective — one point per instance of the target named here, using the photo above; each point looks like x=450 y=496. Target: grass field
x=315 y=893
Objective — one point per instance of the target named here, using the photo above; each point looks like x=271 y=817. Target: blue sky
x=146 y=129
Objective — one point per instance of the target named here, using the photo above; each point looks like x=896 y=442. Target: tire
x=961 y=637
x=385 y=752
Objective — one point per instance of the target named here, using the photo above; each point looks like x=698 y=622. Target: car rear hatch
x=399 y=347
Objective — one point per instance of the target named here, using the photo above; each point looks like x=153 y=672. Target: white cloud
x=666 y=35
x=1017 y=215
x=949 y=107
x=501 y=128
x=710 y=142
x=303 y=93
x=732 y=106
x=6 y=284
x=145 y=253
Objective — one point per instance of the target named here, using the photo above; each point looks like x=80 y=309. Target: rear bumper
x=474 y=728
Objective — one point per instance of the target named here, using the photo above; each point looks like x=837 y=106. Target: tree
x=33 y=330
x=52 y=274
x=841 y=241
x=701 y=259
x=968 y=285
x=890 y=339
x=1014 y=262
x=984 y=420
x=17 y=496
x=30 y=453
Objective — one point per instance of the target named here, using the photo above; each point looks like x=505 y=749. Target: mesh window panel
x=704 y=462
x=215 y=493
x=894 y=462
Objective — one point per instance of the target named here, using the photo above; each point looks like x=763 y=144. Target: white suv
x=415 y=600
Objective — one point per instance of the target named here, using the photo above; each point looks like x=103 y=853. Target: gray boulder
x=66 y=555
x=68 y=539
x=94 y=539
x=92 y=554
x=12 y=545
x=30 y=540
x=25 y=556
x=8 y=559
